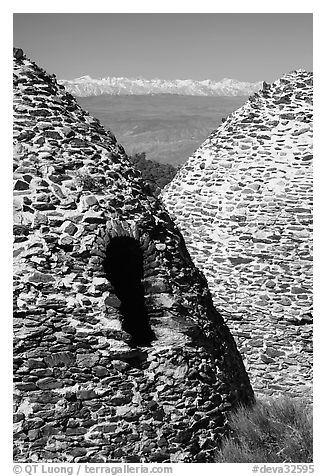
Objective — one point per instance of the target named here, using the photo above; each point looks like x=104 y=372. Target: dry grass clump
x=275 y=430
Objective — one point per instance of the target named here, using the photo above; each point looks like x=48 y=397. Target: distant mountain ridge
x=87 y=86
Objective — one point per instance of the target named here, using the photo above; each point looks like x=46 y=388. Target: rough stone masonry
x=119 y=354
x=243 y=202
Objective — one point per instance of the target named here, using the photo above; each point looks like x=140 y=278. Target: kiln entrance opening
x=123 y=266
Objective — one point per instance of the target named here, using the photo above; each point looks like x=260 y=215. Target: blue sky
x=243 y=46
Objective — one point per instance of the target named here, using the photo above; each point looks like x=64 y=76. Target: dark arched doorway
x=123 y=266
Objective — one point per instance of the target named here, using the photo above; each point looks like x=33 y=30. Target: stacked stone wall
x=243 y=202
x=84 y=391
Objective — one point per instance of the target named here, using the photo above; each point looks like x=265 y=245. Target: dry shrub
x=271 y=431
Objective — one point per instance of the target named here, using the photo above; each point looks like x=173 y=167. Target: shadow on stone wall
x=123 y=266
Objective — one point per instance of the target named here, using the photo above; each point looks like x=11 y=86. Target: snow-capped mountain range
x=87 y=86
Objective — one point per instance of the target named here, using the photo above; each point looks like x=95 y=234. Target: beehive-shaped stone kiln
x=119 y=354
x=244 y=204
